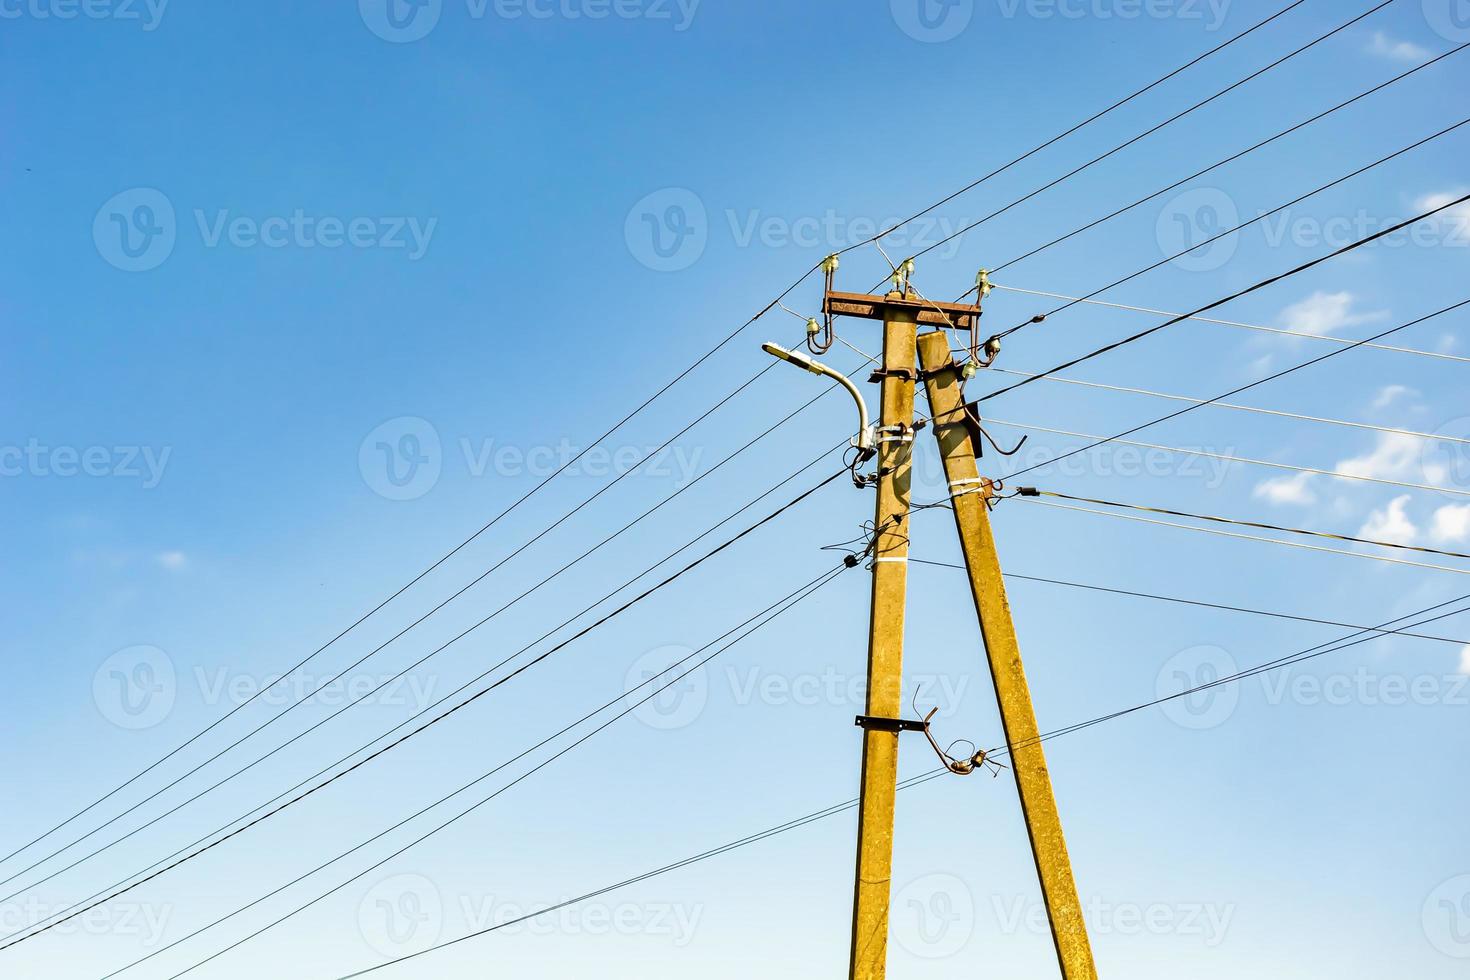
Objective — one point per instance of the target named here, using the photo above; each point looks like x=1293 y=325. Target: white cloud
x=1386 y=47
x=1396 y=457
x=1389 y=394
x=1325 y=312
x=1465 y=661
x=1451 y=524
x=1391 y=524
x=1286 y=490
x=172 y=560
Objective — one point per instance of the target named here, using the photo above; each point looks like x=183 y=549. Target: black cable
x=1043 y=317
x=385 y=683
x=789 y=825
x=1231 y=159
x=1141 y=136
x=1246 y=387
x=424 y=711
x=1311 y=653
x=421 y=575
x=1273 y=280
x=780 y=606
x=435 y=720
x=1251 y=524
x=1086 y=122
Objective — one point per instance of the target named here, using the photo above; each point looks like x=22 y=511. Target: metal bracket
x=902 y=374
x=870 y=723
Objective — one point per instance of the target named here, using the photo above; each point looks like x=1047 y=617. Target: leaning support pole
x=968 y=492
x=885 y=645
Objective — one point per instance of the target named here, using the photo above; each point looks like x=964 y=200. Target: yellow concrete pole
x=1027 y=760
x=885 y=647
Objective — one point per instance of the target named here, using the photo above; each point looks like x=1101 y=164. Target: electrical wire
x=780 y=607
x=1197 y=603
x=386 y=683
x=446 y=698
x=1154 y=129
x=1225 y=458
x=1263 y=284
x=1086 y=122
x=1246 y=387
x=1235 y=522
x=1301 y=334
x=456 y=708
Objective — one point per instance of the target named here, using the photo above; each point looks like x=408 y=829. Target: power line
x=1263 y=284
x=1235 y=522
x=1229 y=406
x=1311 y=653
x=1086 y=122
x=1226 y=458
x=780 y=607
x=1246 y=387
x=456 y=708
x=391 y=680
x=1250 y=537
x=1149 y=132
x=1301 y=334
x=1198 y=603
x=83 y=904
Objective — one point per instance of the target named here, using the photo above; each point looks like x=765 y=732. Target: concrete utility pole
x=957 y=445
x=885 y=641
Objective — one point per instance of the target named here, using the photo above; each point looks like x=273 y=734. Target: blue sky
x=298 y=296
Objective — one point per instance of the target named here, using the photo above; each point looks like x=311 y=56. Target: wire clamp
x=869 y=723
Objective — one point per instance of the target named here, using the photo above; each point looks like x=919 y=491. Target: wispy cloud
x=172 y=560
x=1287 y=490
x=1389 y=394
x=1323 y=312
x=1391 y=523
x=1455 y=219
x=1387 y=47
x=1395 y=457
x=1451 y=524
